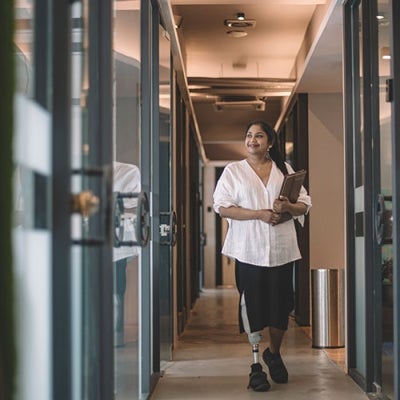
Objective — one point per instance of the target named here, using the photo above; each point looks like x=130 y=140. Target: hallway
x=211 y=360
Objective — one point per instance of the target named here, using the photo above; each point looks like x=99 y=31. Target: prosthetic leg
x=258 y=378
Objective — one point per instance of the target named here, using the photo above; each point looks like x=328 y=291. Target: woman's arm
x=243 y=214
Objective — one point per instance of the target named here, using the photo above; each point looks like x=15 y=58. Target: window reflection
x=24 y=37
x=385 y=132
x=127 y=70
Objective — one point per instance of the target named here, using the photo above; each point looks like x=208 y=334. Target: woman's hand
x=281 y=205
x=269 y=216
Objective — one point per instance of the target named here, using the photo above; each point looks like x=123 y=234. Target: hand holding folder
x=291 y=187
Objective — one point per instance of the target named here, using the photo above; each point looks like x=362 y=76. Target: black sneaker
x=258 y=379
x=276 y=366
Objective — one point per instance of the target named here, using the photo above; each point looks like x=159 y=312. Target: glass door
x=167 y=215
x=384 y=202
x=90 y=173
x=359 y=200
x=136 y=136
x=369 y=144
x=127 y=259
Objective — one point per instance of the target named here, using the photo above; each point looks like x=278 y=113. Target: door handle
x=85 y=203
x=383 y=221
x=168 y=228
x=141 y=222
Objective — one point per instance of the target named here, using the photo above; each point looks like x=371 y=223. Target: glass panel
x=127 y=102
x=82 y=325
x=24 y=40
x=384 y=53
x=165 y=195
x=360 y=315
x=32 y=208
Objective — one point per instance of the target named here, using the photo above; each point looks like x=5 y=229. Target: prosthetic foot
x=258 y=378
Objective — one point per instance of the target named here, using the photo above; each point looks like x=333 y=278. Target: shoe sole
x=260 y=388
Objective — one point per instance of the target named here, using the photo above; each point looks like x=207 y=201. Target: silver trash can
x=327 y=308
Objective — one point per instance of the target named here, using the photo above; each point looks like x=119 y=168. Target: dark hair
x=274 y=151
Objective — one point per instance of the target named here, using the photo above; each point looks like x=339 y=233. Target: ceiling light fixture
x=236 y=33
x=241 y=105
x=240 y=22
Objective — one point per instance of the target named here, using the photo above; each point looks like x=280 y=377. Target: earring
x=268 y=156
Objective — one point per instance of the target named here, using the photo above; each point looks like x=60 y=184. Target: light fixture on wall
x=178 y=21
x=383 y=21
x=385 y=53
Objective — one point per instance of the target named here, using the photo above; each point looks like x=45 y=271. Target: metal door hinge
x=168 y=228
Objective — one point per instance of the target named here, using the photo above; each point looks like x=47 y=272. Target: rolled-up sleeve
x=224 y=192
x=303 y=198
x=306 y=199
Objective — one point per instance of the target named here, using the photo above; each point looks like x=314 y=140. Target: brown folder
x=292 y=184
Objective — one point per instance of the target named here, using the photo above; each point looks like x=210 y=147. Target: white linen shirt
x=254 y=241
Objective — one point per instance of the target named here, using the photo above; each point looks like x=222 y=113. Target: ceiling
x=292 y=46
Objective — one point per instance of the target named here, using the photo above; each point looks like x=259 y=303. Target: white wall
x=326 y=181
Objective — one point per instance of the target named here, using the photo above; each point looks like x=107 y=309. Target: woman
x=263 y=245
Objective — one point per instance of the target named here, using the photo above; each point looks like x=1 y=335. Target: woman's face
x=256 y=140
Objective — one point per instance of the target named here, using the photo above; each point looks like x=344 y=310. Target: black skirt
x=268 y=293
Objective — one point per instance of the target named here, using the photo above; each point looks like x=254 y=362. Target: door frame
x=149 y=358
x=371 y=179
x=61 y=257
x=395 y=65
x=100 y=126
x=365 y=227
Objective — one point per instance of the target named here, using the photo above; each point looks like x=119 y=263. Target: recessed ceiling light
x=236 y=33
